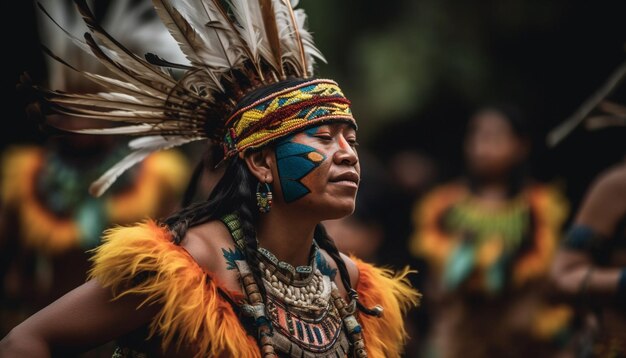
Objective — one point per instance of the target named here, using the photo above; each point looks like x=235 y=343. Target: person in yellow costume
x=48 y=219
x=250 y=272
x=488 y=241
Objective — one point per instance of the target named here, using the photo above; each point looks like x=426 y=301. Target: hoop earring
x=263 y=198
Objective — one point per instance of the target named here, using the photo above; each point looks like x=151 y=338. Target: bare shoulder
x=614 y=178
x=610 y=186
x=353 y=270
x=605 y=202
x=205 y=243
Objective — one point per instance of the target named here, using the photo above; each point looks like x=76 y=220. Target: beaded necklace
x=303 y=313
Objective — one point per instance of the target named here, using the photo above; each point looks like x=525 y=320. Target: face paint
x=294 y=162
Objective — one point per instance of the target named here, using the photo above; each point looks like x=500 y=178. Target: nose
x=346 y=154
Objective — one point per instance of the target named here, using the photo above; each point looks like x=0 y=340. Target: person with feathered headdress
x=250 y=272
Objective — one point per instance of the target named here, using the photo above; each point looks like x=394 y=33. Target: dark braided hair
x=235 y=193
x=325 y=242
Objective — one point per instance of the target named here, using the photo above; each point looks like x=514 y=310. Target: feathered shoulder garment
x=143 y=260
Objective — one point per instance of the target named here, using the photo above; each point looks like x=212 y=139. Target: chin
x=339 y=209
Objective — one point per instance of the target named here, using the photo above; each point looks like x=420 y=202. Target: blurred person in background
x=48 y=221
x=488 y=240
x=590 y=266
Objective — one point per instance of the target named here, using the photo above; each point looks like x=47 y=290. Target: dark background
x=415 y=71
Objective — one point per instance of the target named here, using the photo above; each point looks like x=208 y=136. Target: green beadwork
x=509 y=224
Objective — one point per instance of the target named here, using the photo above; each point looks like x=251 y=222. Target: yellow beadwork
x=250 y=115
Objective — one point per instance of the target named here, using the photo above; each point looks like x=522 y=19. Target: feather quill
x=98 y=187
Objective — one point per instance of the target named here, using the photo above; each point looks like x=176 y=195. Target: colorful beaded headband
x=285 y=112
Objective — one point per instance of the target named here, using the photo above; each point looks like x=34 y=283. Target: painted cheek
x=295 y=161
x=318 y=178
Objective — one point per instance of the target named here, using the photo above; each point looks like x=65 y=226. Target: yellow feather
x=385 y=336
x=192 y=311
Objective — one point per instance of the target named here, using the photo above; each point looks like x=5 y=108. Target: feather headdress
x=133 y=23
x=232 y=47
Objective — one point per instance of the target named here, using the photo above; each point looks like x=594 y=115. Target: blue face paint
x=294 y=162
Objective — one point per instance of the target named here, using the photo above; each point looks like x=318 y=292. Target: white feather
x=145 y=146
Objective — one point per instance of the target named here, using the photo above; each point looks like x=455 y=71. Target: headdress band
x=285 y=112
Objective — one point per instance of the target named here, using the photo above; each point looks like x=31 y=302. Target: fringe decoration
x=142 y=260
x=385 y=336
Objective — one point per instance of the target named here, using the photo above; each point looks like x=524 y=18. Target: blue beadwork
x=309 y=334
x=299 y=329
x=318 y=334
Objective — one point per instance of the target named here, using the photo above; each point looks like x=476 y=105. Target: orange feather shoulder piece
x=143 y=260
x=385 y=336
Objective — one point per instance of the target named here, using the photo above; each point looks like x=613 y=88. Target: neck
x=287 y=234
x=493 y=190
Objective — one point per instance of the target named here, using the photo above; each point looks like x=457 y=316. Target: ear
x=260 y=164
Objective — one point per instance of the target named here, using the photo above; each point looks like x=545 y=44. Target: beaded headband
x=285 y=112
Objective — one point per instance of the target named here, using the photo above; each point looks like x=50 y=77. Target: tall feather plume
x=119 y=53
x=271 y=29
x=191 y=43
x=310 y=50
x=224 y=22
x=214 y=43
x=298 y=39
x=271 y=34
x=249 y=27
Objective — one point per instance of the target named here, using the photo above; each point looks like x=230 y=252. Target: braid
x=326 y=242
x=248 y=216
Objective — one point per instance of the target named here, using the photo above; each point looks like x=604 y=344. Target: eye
x=353 y=142
x=324 y=136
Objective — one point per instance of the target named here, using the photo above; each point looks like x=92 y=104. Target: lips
x=351 y=177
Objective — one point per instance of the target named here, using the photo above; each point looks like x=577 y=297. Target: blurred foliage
x=393 y=59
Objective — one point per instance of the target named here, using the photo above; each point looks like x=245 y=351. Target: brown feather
x=271 y=30
x=296 y=32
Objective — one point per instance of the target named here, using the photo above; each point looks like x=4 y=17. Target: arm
x=83 y=318
x=573 y=270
